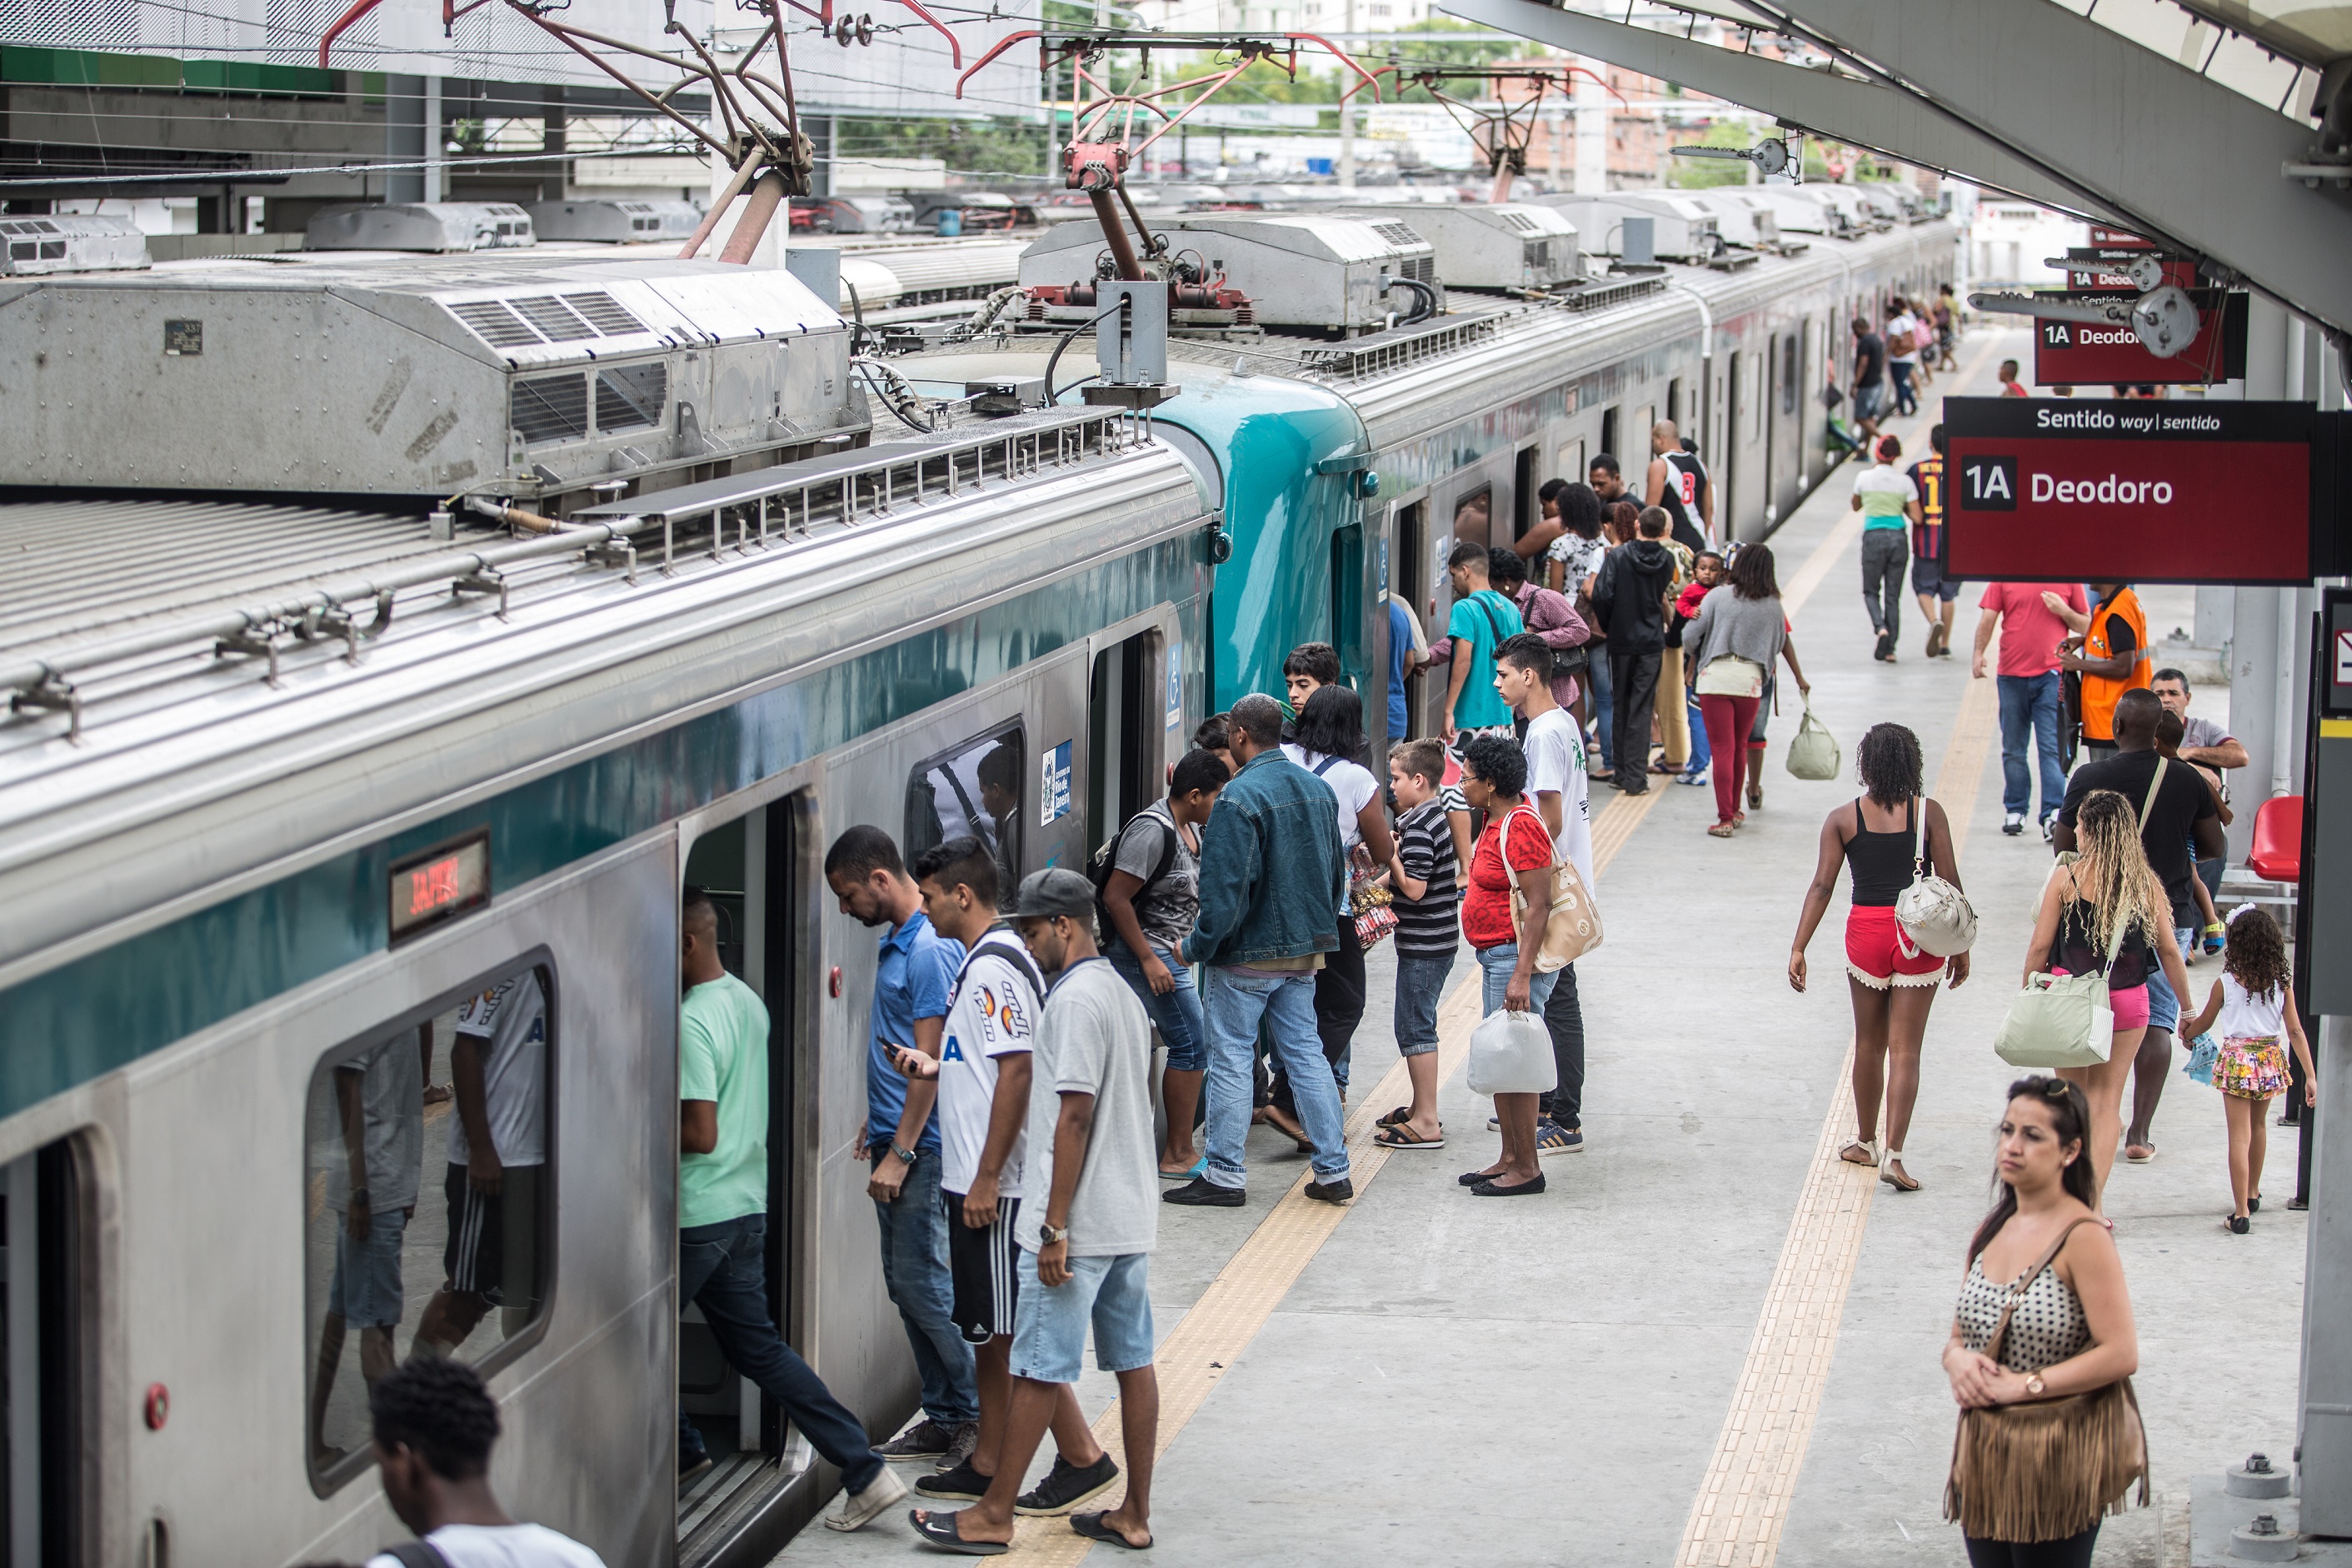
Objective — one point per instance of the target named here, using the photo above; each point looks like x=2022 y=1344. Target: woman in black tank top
x=1892 y=981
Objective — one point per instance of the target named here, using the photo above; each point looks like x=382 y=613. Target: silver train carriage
x=291 y=789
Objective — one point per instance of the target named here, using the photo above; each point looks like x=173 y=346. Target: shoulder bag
x=1813 y=754
x=2046 y=1468
x=2062 y=1021
x=1935 y=916
x=1728 y=675
x=1572 y=929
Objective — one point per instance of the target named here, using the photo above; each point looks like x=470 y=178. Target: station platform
x=1708 y=1341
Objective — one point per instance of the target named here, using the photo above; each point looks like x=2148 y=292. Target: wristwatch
x=1047 y=1234
x=905 y=1155
x=2034 y=1386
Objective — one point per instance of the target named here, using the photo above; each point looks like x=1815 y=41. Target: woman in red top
x=1494 y=777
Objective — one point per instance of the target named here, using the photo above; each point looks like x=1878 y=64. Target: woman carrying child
x=2251 y=1008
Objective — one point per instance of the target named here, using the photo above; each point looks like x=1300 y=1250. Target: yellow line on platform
x=1201 y=1349
x=1751 y=1479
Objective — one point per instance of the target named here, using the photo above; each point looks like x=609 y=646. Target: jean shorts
x=1929 y=579
x=1049 y=1322
x=2163 y=1006
x=1419 y=984
x=1869 y=400
x=365 y=1288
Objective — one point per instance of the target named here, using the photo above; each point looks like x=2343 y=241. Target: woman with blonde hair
x=2106 y=911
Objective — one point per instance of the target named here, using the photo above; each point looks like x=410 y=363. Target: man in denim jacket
x=1272 y=876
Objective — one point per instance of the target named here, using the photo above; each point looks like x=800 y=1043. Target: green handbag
x=1813 y=754
x=2062 y=1021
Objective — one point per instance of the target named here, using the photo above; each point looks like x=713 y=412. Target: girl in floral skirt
x=2251 y=1010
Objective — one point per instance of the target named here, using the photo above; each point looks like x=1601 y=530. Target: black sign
x=439 y=884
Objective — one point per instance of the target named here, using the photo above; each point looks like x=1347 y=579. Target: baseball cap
x=1056 y=890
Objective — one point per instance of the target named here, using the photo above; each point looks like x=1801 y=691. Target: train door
x=1526 y=508
x=1609 y=433
x=1127 y=716
x=756 y=871
x=45 y=1312
x=1773 y=423
x=1730 y=472
x=1411 y=574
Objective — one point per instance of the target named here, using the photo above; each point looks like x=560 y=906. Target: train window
x=973 y=789
x=1647 y=420
x=1571 y=461
x=1473 y=516
x=1789 y=374
x=1674 y=402
x=1609 y=431
x=427 y=1200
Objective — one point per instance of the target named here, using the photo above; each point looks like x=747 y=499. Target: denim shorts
x=1049 y=1322
x=1419 y=984
x=2163 y=1006
x=365 y=1288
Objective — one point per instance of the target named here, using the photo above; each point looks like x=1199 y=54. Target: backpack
x=1106 y=861
x=416 y=1554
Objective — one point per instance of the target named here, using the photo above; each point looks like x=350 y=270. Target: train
x=390 y=639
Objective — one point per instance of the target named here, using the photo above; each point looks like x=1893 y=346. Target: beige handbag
x=1573 y=927
x=1936 y=915
x=1728 y=675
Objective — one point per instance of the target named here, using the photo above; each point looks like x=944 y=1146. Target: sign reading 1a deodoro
x=2142 y=490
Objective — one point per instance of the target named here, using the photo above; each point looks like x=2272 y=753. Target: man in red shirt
x=2009 y=383
x=2030 y=696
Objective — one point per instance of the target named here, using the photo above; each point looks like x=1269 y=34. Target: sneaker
x=1203 y=1194
x=1493 y=1124
x=1067 y=1486
x=851 y=1511
x=1552 y=1138
x=925 y=1439
x=2013 y=824
x=2045 y=828
x=1339 y=1192
x=967 y=1438
x=961 y=1484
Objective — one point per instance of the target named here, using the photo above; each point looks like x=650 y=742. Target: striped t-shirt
x=1427 y=926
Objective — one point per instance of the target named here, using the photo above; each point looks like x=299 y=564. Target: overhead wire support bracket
x=1500 y=128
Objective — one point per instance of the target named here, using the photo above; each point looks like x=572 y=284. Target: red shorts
x=1879 y=955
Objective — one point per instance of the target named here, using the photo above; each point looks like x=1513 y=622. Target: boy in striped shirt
x=1422 y=879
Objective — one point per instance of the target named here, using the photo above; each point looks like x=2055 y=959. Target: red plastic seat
x=2276 y=855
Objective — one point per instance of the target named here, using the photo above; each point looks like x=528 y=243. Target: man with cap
x=1091 y=1180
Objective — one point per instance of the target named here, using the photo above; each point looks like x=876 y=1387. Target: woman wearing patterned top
x=2070 y=1331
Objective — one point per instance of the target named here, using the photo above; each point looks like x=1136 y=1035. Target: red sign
x=442 y=882
x=2086 y=354
x=2071 y=490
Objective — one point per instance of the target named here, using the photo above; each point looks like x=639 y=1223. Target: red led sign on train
x=2176 y=490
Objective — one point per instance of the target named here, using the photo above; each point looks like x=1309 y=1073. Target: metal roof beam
x=1844 y=108
x=2173 y=154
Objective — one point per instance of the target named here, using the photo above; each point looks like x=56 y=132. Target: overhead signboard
x=2141 y=490
x=2085 y=354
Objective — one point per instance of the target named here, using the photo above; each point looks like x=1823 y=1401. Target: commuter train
x=390 y=640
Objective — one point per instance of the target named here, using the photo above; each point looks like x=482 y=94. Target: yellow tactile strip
x=1203 y=1347
x=1752 y=1475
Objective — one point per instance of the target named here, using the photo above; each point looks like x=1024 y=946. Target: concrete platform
x=1700 y=1344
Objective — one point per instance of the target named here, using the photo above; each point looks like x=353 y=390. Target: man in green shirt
x=1482 y=621
x=722 y=1216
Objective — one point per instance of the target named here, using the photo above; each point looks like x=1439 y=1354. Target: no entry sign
x=2076 y=489
x=2084 y=353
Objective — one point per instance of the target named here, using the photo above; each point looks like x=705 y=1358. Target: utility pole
x=1348 y=114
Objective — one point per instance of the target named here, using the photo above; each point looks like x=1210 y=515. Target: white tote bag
x=1510 y=1053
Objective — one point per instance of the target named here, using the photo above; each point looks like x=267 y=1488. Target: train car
x=294 y=786
x=1350 y=462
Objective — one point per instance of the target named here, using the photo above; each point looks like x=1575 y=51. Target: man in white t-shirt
x=983 y=1071
x=1558 y=786
x=435 y=1424
x=1903 y=354
x=497 y=1148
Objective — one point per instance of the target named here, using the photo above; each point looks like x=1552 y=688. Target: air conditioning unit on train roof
x=1800 y=209
x=1510 y=245
x=70 y=242
x=1682 y=230
x=420 y=226
x=1300 y=270
x=1741 y=216
x=611 y=221
x=526 y=374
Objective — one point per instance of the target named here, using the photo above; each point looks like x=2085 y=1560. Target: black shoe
x=2238 y=1225
x=1067 y=1486
x=1524 y=1190
x=1339 y=1192
x=1201 y=1192
x=1885 y=645
x=961 y=1443
x=2254 y=1206
x=925 y=1439
x=1636 y=787
x=963 y=1484
x=1472 y=1178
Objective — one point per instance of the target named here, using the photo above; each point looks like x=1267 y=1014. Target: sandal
x=1092 y=1526
x=1723 y=830
x=1402 y=1113
x=1397 y=1135
x=1290 y=1128
x=2140 y=1159
x=1891 y=1172
x=1869 y=1150
x=939 y=1529
x=1756 y=796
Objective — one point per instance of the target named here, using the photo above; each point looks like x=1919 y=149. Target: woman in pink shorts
x=1892 y=981
x=2108 y=888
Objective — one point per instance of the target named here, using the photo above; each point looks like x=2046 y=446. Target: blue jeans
x=1497 y=963
x=721 y=1270
x=1176 y=1015
x=2029 y=713
x=1419 y=984
x=915 y=1272
x=1701 y=754
x=1604 y=698
x=1905 y=401
x=1233 y=1002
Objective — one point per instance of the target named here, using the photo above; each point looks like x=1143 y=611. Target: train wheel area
x=1710 y=1340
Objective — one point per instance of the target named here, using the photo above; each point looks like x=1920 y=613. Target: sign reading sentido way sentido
x=2140 y=490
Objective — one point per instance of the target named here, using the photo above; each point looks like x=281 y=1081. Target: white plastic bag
x=1510 y=1053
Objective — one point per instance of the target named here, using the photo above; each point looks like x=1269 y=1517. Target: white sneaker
x=2013 y=824
x=852 y=1510
x=2045 y=828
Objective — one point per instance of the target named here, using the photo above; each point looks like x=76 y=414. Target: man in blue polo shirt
x=913 y=976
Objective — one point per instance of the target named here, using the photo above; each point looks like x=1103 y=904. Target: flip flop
x=938 y=1529
x=1198 y=1166
x=1400 y=1136
x=1402 y=1113
x=1092 y=1526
